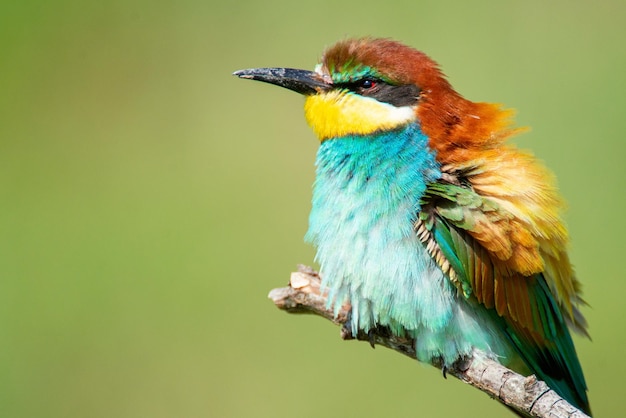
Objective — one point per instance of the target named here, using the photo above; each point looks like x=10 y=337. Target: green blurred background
x=150 y=200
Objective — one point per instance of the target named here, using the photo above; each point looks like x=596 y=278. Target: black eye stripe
x=359 y=86
x=402 y=95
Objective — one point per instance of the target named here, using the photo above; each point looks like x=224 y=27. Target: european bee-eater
x=428 y=223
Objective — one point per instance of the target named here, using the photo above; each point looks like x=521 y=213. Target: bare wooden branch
x=526 y=395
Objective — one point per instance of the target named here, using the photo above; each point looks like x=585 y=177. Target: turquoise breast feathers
x=365 y=202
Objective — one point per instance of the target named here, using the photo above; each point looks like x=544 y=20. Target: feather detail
x=526 y=192
x=462 y=228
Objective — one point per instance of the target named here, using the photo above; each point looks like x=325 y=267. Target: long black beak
x=301 y=81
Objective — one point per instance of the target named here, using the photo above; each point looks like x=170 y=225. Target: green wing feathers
x=477 y=240
x=481 y=248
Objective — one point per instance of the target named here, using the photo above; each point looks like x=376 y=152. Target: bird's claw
x=371 y=337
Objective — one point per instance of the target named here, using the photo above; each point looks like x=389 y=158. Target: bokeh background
x=149 y=200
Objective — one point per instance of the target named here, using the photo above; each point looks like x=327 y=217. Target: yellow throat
x=339 y=113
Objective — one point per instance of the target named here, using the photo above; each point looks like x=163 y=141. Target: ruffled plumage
x=492 y=222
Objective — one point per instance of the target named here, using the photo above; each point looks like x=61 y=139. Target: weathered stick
x=523 y=394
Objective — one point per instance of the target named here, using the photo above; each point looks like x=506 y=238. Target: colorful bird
x=428 y=222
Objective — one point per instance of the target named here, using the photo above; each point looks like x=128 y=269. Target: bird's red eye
x=368 y=84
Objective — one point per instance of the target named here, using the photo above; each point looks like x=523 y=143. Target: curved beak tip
x=243 y=74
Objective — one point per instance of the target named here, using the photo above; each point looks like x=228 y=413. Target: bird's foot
x=370 y=336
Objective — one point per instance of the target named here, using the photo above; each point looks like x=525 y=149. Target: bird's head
x=363 y=86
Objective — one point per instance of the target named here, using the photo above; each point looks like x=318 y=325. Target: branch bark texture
x=526 y=395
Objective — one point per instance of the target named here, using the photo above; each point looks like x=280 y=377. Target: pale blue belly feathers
x=365 y=202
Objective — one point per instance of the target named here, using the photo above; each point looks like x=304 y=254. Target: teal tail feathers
x=554 y=361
